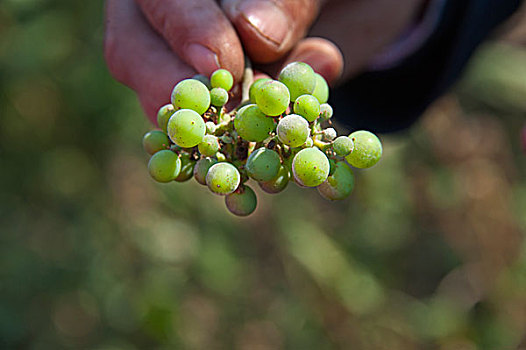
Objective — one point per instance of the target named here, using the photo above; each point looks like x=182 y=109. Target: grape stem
x=248 y=79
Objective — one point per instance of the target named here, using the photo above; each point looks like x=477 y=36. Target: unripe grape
x=299 y=78
x=201 y=169
x=325 y=111
x=222 y=78
x=164 y=166
x=308 y=107
x=329 y=134
x=186 y=128
x=367 y=149
x=164 y=114
x=203 y=79
x=187 y=168
x=343 y=146
x=321 y=91
x=255 y=87
x=242 y=202
x=155 y=141
x=309 y=143
x=277 y=184
x=293 y=130
x=218 y=97
x=252 y=125
x=310 y=167
x=273 y=98
x=263 y=164
x=209 y=146
x=223 y=178
x=191 y=94
x=339 y=185
x=211 y=127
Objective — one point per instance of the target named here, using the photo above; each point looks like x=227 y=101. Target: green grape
x=339 y=185
x=186 y=128
x=209 y=146
x=273 y=98
x=277 y=184
x=299 y=78
x=223 y=178
x=325 y=111
x=293 y=130
x=343 y=146
x=201 y=169
x=309 y=143
x=252 y=125
x=211 y=128
x=218 y=97
x=242 y=202
x=321 y=91
x=329 y=134
x=203 y=79
x=332 y=164
x=222 y=78
x=254 y=88
x=164 y=114
x=154 y=141
x=263 y=164
x=220 y=157
x=191 y=94
x=367 y=149
x=310 y=167
x=187 y=168
x=164 y=166
x=308 y=107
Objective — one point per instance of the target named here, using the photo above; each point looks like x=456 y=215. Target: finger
x=145 y=64
x=322 y=55
x=270 y=28
x=198 y=32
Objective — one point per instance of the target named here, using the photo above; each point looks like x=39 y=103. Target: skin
x=151 y=44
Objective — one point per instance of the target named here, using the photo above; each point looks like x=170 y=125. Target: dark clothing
x=391 y=100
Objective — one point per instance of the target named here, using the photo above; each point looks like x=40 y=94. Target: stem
x=248 y=79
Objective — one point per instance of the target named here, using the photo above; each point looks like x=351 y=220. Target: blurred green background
x=428 y=253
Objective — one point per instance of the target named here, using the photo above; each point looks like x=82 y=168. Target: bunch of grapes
x=282 y=132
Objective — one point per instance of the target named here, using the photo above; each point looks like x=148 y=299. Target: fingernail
x=268 y=19
x=202 y=59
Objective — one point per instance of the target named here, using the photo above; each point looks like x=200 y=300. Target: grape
x=263 y=164
x=329 y=134
x=164 y=166
x=309 y=143
x=310 y=167
x=222 y=78
x=367 y=149
x=308 y=107
x=252 y=125
x=201 y=169
x=293 y=130
x=165 y=112
x=187 y=168
x=209 y=146
x=278 y=183
x=339 y=185
x=186 y=128
x=321 y=91
x=191 y=94
x=203 y=79
x=242 y=202
x=343 y=146
x=272 y=98
x=223 y=178
x=332 y=164
x=299 y=78
x=254 y=88
x=326 y=111
x=218 y=97
x=154 y=141
x=211 y=127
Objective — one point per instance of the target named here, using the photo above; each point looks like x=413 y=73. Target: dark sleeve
x=391 y=100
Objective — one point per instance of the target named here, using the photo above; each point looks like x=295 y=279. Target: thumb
x=270 y=28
